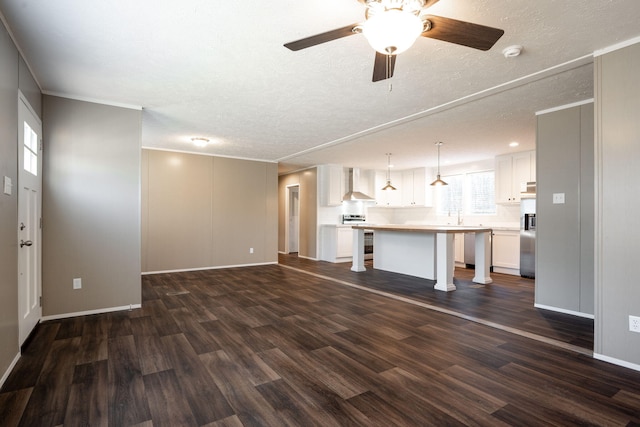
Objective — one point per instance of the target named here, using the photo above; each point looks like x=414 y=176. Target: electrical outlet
x=250 y=250
x=77 y=283
x=634 y=323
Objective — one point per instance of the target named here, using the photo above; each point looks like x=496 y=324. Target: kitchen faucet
x=460 y=219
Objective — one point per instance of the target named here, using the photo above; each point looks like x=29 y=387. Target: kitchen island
x=421 y=250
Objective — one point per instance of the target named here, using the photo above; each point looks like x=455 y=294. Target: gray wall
x=308 y=182
x=91 y=206
x=203 y=211
x=564 y=235
x=617 y=203
x=8 y=204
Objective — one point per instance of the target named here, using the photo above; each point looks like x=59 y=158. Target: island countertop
x=425 y=228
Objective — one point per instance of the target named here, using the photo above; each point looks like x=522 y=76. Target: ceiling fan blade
x=380 y=70
x=462 y=33
x=321 y=38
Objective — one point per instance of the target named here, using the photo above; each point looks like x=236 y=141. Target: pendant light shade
x=388 y=186
x=438 y=181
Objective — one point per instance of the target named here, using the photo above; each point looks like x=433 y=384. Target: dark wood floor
x=508 y=301
x=273 y=346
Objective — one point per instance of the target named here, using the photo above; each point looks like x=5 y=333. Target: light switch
x=558 y=198
x=8 y=185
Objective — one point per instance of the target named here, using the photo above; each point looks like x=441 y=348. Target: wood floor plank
x=167 y=404
x=29 y=366
x=88 y=403
x=48 y=402
x=207 y=402
x=127 y=397
x=463 y=408
x=249 y=405
x=329 y=408
x=12 y=406
x=149 y=345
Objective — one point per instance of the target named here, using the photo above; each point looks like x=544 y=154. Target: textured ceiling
x=219 y=70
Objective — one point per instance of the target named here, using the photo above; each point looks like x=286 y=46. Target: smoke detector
x=512 y=51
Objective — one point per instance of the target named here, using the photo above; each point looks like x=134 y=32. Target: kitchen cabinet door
x=331 y=183
x=513 y=171
x=506 y=249
x=414 y=188
x=344 y=242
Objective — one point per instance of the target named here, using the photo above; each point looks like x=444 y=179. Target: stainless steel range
x=359 y=219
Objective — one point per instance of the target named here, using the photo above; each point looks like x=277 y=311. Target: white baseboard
x=307 y=257
x=505 y=270
x=9 y=369
x=615 y=361
x=207 y=268
x=562 y=310
x=89 y=312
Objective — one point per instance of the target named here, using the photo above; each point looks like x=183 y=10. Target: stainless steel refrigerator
x=528 y=236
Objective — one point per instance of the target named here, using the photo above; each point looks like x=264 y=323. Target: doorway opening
x=292 y=231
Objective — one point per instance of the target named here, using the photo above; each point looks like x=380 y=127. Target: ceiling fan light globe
x=392 y=31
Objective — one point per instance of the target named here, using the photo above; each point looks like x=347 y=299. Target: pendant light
x=388 y=186
x=438 y=181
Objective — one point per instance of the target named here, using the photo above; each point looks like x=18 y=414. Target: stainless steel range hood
x=353 y=178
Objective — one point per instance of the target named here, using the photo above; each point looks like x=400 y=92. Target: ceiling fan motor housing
x=407 y=6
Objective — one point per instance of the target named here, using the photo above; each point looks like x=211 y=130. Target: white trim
x=562 y=310
x=616 y=46
x=92 y=100
x=144 y=273
x=615 y=361
x=145 y=147
x=307 y=257
x=89 y=312
x=306 y=168
x=9 y=369
x=564 y=107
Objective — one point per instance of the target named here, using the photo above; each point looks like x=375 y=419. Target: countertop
x=425 y=228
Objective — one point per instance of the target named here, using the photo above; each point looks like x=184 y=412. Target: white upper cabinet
x=331 y=183
x=513 y=171
x=415 y=189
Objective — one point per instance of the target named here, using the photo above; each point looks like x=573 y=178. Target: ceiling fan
x=391 y=27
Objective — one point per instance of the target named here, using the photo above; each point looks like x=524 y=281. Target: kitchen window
x=470 y=193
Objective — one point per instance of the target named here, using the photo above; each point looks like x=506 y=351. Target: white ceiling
x=219 y=70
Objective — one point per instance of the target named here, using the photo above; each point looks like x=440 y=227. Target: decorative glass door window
x=30 y=150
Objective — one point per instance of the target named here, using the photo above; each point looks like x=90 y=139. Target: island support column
x=445 y=255
x=483 y=258
x=358 y=251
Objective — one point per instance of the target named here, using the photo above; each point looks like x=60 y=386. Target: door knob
x=27 y=243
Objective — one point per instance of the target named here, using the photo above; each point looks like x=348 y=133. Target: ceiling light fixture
x=200 y=142
x=438 y=181
x=514 y=144
x=394 y=29
x=388 y=186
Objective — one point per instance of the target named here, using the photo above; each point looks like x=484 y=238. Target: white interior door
x=29 y=213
